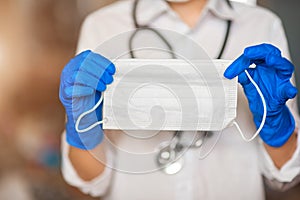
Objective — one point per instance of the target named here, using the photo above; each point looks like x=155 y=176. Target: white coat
x=235 y=169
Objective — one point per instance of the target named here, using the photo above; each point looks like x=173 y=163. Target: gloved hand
x=272 y=74
x=82 y=81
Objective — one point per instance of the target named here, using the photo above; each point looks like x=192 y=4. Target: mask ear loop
x=236 y=124
x=86 y=113
x=264 y=115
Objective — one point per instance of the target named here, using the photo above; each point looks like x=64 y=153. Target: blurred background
x=37 y=38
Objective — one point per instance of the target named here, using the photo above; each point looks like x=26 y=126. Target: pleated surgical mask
x=170 y=94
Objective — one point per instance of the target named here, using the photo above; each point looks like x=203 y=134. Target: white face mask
x=170 y=94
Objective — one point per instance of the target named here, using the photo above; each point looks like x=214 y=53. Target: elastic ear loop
x=236 y=124
x=264 y=115
x=86 y=113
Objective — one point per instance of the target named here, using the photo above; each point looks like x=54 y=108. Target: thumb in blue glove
x=82 y=81
x=272 y=74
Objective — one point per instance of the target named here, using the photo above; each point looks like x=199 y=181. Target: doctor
x=235 y=169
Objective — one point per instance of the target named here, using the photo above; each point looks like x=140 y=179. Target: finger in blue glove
x=272 y=73
x=82 y=81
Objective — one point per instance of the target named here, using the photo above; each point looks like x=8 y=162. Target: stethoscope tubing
x=174 y=144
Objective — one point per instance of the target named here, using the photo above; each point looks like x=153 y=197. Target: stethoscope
x=169 y=157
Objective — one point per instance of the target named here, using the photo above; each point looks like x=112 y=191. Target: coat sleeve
x=96 y=187
x=289 y=174
x=99 y=186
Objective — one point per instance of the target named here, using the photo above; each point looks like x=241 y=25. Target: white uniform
x=235 y=169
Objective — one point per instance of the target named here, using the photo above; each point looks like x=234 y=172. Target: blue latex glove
x=272 y=74
x=82 y=81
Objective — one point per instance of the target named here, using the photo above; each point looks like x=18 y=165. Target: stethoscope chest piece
x=174 y=167
x=170 y=157
x=169 y=160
